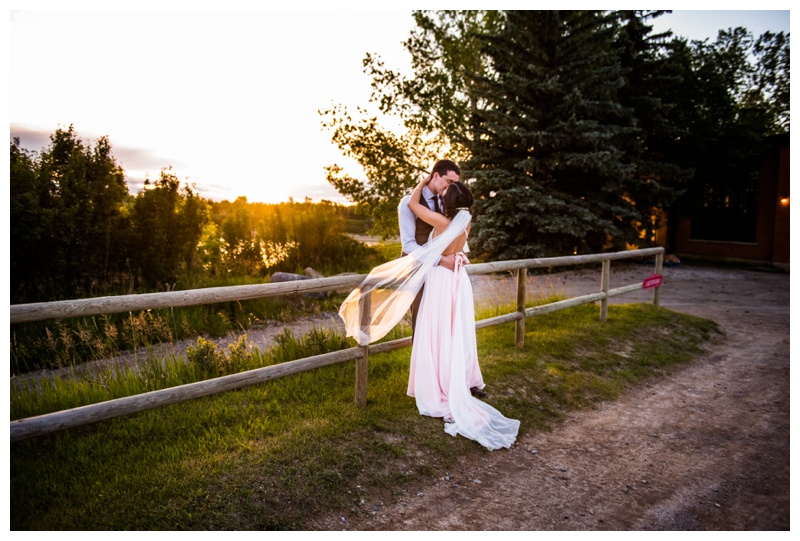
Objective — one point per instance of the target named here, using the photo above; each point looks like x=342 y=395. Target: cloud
x=29 y=138
x=135 y=184
x=138 y=163
x=215 y=192
x=318 y=192
x=140 y=159
x=142 y=163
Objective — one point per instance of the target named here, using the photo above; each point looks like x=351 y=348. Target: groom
x=414 y=232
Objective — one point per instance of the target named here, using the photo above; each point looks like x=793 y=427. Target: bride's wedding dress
x=444 y=356
x=444 y=361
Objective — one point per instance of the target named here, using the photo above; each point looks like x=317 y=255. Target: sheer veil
x=386 y=294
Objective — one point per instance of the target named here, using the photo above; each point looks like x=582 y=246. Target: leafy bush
x=206 y=357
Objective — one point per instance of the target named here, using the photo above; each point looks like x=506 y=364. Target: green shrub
x=206 y=357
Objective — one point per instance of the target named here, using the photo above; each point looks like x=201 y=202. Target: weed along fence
x=44 y=424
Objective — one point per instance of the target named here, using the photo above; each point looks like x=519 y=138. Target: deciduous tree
x=66 y=208
x=167 y=222
x=432 y=110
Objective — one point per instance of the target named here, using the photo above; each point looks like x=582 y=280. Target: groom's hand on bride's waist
x=449 y=261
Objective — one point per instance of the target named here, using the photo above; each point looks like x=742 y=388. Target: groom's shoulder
x=404 y=200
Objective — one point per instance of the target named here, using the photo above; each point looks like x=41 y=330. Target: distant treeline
x=76 y=231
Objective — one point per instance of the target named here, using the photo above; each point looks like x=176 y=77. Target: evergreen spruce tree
x=651 y=80
x=551 y=173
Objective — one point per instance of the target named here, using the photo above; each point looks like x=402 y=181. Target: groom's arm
x=407 y=226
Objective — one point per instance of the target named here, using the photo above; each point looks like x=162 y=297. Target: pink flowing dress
x=444 y=361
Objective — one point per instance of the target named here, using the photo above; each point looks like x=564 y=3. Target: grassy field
x=275 y=455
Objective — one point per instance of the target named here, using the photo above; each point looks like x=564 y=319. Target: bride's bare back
x=457 y=245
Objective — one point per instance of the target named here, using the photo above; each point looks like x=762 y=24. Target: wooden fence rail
x=52 y=422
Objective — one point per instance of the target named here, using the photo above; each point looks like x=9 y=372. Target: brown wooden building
x=759 y=238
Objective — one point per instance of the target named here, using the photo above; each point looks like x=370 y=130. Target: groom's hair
x=443 y=166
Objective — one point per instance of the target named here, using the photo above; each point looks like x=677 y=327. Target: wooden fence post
x=659 y=269
x=362 y=363
x=520 y=330
x=604 y=280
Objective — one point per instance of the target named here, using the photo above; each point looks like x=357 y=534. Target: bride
x=444 y=356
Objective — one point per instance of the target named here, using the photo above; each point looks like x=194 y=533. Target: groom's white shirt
x=408 y=226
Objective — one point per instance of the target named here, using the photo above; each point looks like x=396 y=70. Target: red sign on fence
x=653 y=281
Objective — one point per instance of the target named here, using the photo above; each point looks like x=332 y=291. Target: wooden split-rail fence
x=52 y=422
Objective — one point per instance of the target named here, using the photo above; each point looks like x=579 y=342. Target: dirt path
x=704 y=449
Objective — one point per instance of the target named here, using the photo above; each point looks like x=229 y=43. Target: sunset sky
x=229 y=98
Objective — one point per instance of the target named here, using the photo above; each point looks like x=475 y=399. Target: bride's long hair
x=457 y=197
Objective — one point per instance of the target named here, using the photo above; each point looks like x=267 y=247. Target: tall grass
x=281 y=454
x=204 y=360
x=69 y=342
x=60 y=343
